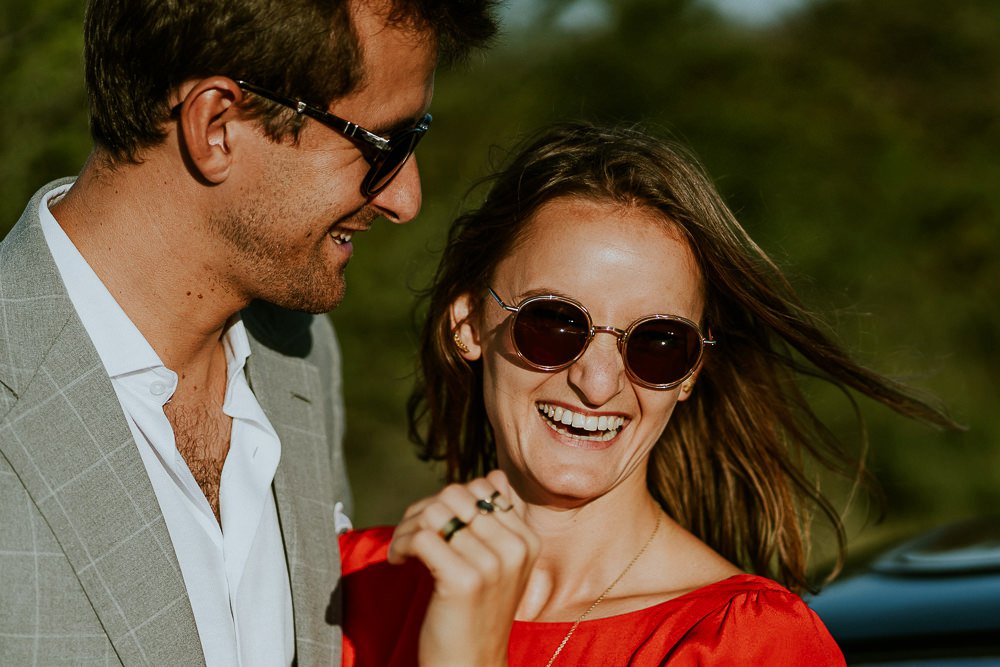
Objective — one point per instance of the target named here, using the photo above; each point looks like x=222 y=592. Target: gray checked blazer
x=88 y=574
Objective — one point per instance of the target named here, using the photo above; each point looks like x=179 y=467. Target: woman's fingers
x=499 y=481
x=474 y=541
x=480 y=513
x=486 y=554
x=433 y=516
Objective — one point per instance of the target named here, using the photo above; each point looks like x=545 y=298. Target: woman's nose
x=599 y=375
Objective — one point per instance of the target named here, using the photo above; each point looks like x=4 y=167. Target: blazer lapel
x=63 y=431
x=288 y=388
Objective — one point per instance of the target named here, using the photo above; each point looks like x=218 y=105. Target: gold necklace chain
x=600 y=598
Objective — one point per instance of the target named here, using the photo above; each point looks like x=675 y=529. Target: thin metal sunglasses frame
x=621 y=335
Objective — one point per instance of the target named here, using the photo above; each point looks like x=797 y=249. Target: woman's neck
x=584 y=549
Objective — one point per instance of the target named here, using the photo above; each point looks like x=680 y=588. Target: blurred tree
x=44 y=131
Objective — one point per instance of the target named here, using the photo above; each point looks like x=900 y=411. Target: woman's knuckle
x=491 y=567
x=452 y=493
x=423 y=539
x=467 y=581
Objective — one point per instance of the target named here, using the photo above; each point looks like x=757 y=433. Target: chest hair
x=202 y=432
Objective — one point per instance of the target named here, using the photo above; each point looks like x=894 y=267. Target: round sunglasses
x=551 y=332
x=386 y=156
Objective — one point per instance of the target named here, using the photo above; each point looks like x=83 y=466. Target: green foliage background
x=857 y=141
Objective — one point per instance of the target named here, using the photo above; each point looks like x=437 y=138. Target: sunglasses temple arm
x=500 y=302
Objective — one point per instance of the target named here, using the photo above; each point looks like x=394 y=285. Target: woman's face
x=621 y=264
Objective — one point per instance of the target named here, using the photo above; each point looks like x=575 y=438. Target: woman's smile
x=586 y=430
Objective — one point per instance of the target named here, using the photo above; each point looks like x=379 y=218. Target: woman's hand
x=478 y=549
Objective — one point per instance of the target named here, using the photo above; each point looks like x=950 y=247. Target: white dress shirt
x=237 y=578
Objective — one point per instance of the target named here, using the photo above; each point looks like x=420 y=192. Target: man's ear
x=206 y=110
x=464 y=330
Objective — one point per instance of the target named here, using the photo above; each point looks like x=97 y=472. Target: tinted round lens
x=391 y=162
x=662 y=351
x=549 y=332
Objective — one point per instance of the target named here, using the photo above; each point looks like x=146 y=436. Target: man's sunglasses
x=386 y=155
x=551 y=332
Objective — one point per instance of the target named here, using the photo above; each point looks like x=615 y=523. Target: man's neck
x=140 y=229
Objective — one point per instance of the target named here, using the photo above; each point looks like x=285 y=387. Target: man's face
x=299 y=205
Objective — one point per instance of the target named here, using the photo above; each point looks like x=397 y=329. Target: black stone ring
x=485 y=506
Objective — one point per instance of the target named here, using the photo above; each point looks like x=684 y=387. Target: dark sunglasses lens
x=549 y=332
x=662 y=351
x=391 y=162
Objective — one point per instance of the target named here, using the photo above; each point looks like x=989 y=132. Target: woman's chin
x=570 y=489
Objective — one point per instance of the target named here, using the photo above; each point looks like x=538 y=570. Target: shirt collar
x=237 y=346
x=121 y=346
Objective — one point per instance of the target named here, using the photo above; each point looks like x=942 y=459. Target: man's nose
x=400 y=201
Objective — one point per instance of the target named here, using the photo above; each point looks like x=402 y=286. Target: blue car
x=933 y=600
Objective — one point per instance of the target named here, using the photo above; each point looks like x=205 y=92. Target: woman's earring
x=462 y=347
x=685 y=388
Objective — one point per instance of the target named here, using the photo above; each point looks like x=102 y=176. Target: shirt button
x=157 y=388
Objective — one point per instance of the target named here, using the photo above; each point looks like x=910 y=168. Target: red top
x=742 y=620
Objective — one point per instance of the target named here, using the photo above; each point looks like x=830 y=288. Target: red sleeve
x=383 y=604
x=764 y=627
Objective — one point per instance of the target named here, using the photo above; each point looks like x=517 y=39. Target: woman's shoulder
x=745 y=600
x=749 y=586
x=754 y=618
x=740 y=620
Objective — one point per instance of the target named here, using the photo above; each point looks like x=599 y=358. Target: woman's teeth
x=604 y=427
x=341 y=237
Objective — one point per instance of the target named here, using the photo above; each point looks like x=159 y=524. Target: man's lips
x=341 y=237
x=345 y=229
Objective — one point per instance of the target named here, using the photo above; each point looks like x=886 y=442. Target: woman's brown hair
x=731 y=464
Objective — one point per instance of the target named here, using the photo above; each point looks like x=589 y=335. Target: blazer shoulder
x=34 y=305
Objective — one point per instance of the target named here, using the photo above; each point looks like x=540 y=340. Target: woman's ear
x=687 y=387
x=465 y=334
x=207 y=108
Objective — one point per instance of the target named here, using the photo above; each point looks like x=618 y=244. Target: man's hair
x=138 y=51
